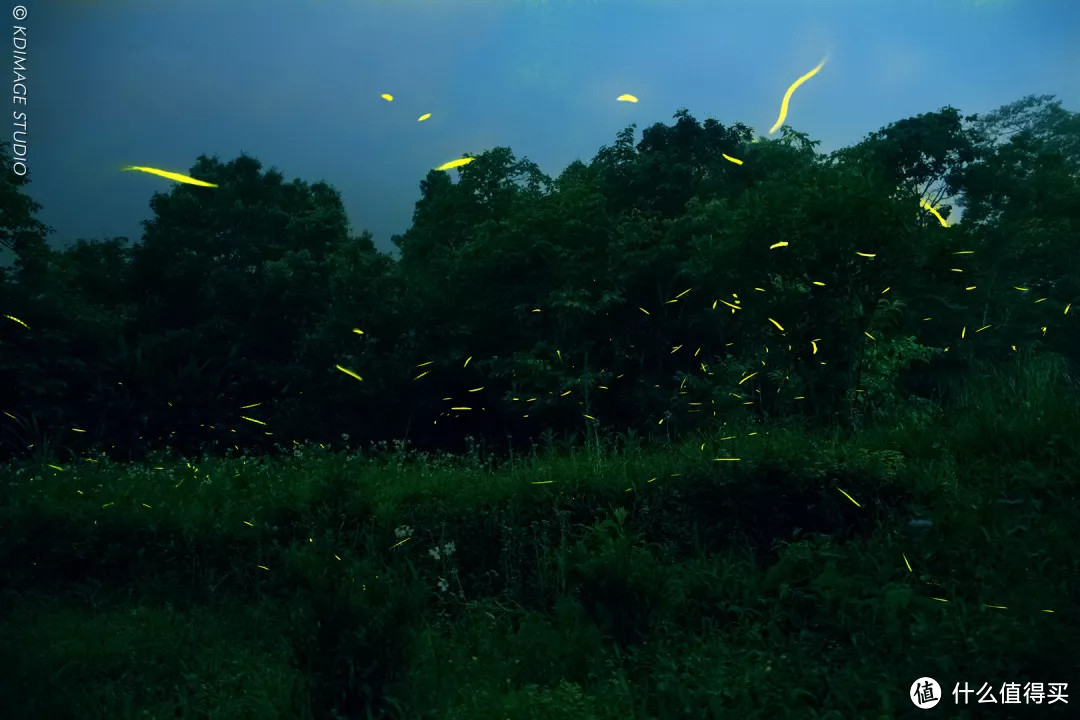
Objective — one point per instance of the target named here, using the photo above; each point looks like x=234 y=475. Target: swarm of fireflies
x=787 y=96
x=171 y=176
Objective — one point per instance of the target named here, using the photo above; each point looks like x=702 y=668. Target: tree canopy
x=680 y=279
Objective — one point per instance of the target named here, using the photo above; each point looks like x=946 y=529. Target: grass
x=633 y=580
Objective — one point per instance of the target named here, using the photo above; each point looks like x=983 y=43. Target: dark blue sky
x=296 y=84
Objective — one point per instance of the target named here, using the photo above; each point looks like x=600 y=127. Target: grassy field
x=625 y=580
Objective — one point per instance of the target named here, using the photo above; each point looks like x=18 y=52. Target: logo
x=925 y=693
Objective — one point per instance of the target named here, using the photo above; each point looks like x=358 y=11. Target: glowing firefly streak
x=926 y=205
x=737 y=161
x=626 y=97
x=850 y=498
x=787 y=96
x=171 y=175
x=423 y=117
x=455 y=163
x=349 y=372
x=387 y=97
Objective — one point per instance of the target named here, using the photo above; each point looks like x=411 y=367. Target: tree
x=20 y=231
x=922 y=155
x=228 y=280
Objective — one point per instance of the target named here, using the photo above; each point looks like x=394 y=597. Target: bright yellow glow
x=455 y=163
x=171 y=176
x=787 y=96
x=348 y=372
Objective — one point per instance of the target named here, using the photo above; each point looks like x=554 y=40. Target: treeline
x=695 y=274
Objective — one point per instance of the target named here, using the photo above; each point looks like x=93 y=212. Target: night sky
x=296 y=84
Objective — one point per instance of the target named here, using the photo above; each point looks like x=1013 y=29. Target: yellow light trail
x=350 y=373
x=170 y=175
x=850 y=498
x=455 y=163
x=787 y=96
